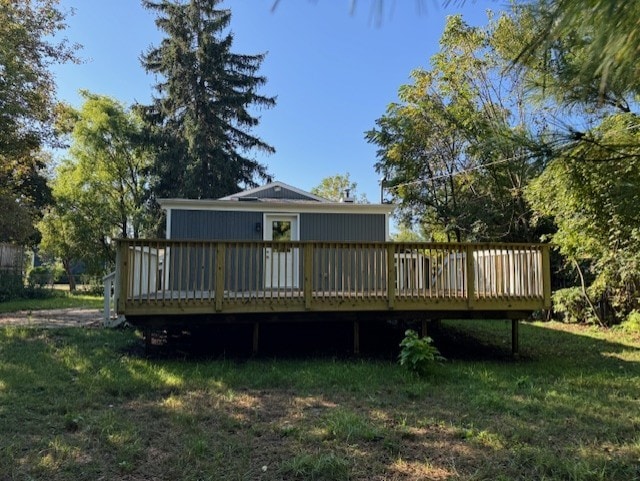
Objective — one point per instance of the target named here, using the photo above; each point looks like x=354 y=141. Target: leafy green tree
x=408 y=234
x=458 y=148
x=27 y=108
x=336 y=187
x=101 y=190
x=110 y=148
x=592 y=191
x=65 y=237
x=78 y=227
x=203 y=116
x=586 y=67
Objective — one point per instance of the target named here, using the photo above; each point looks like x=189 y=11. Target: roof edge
x=277 y=183
x=274 y=206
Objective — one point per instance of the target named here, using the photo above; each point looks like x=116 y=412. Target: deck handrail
x=161 y=275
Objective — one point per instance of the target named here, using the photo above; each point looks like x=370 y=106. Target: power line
x=442 y=176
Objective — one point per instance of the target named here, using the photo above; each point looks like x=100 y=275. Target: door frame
x=267 y=218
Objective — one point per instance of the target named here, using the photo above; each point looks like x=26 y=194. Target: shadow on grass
x=282 y=340
x=459 y=340
x=549 y=343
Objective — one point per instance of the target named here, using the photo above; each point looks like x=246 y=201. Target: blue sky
x=333 y=72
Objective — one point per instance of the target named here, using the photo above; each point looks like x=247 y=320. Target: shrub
x=571 y=306
x=40 y=276
x=632 y=322
x=91 y=284
x=11 y=285
x=418 y=354
x=12 y=288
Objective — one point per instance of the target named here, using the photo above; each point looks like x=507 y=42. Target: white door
x=281 y=262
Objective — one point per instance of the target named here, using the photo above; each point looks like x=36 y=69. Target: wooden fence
x=11 y=258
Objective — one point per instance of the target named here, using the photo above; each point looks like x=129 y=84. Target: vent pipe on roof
x=346 y=197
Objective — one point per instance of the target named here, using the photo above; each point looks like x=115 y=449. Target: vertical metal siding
x=215 y=225
x=343 y=227
x=230 y=225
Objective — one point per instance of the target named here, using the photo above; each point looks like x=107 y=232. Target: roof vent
x=248 y=199
x=346 y=198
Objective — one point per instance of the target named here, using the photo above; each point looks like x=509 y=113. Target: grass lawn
x=85 y=404
x=57 y=300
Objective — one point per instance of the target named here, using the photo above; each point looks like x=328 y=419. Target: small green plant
x=417 y=353
x=632 y=322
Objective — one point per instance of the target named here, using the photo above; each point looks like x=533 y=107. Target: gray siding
x=271 y=193
x=343 y=227
x=215 y=225
x=335 y=270
x=230 y=225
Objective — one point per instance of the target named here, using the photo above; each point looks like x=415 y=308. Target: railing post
x=219 y=288
x=121 y=290
x=471 y=276
x=391 y=274
x=107 y=284
x=546 y=276
x=308 y=275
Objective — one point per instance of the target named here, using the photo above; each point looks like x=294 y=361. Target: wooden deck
x=178 y=278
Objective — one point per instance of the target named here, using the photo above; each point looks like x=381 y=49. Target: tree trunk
x=66 y=264
x=586 y=295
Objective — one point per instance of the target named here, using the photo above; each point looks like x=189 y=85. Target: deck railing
x=171 y=276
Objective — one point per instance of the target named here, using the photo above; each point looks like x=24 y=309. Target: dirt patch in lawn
x=50 y=318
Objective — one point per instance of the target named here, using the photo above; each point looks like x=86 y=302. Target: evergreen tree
x=202 y=115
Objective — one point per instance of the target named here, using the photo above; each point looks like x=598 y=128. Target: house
x=277 y=251
x=276 y=212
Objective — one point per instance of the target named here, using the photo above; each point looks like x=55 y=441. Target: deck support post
x=148 y=338
x=356 y=337
x=515 y=339
x=424 y=329
x=256 y=337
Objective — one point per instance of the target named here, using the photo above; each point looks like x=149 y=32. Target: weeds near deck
x=418 y=354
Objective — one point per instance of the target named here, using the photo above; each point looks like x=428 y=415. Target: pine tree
x=202 y=116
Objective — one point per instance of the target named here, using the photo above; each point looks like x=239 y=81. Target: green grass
x=85 y=404
x=54 y=299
